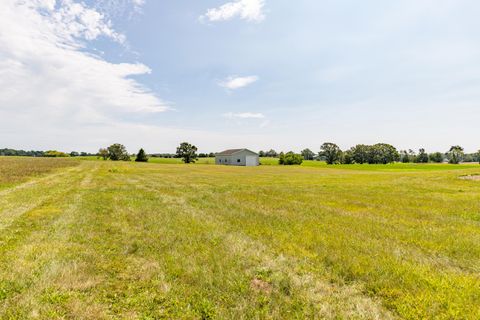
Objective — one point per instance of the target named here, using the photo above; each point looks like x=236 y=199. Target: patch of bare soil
x=475 y=177
x=261 y=286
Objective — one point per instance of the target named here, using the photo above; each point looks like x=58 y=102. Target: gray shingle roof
x=229 y=152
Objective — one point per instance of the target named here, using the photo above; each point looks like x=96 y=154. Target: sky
x=259 y=74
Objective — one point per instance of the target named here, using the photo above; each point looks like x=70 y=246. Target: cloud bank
x=50 y=79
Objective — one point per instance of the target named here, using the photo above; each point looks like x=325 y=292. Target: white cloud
x=234 y=83
x=250 y=10
x=244 y=115
x=48 y=78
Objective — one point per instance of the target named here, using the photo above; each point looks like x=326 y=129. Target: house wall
x=238 y=159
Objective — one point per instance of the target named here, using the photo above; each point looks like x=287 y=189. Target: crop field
x=111 y=240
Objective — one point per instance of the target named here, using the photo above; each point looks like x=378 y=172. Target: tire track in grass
x=32 y=254
x=20 y=199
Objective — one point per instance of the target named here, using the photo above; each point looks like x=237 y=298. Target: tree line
x=380 y=153
x=50 y=153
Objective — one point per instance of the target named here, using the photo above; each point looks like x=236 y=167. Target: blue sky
x=246 y=73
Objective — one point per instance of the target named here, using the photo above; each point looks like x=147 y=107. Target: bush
x=290 y=158
x=55 y=154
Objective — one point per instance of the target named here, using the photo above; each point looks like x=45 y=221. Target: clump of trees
x=380 y=153
x=6 y=152
x=307 y=154
x=290 y=158
x=270 y=153
x=115 y=152
x=187 y=152
x=55 y=154
x=436 y=157
x=206 y=155
x=81 y=154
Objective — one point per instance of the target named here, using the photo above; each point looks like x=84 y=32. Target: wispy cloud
x=120 y=8
x=244 y=115
x=250 y=10
x=234 y=83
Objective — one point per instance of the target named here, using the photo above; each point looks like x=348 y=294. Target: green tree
x=382 y=153
x=331 y=152
x=455 y=155
x=347 y=157
x=187 y=152
x=271 y=153
x=141 y=156
x=404 y=156
x=281 y=158
x=103 y=153
x=360 y=153
x=118 y=152
x=422 y=156
x=307 y=154
x=436 y=157
x=290 y=158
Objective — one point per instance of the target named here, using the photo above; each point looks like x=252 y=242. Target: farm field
x=104 y=240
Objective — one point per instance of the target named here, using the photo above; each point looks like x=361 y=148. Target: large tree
x=382 y=153
x=360 y=153
x=331 y=152
x=118 y=152
x=187 y=152
x=307 y=154
x=455 y=154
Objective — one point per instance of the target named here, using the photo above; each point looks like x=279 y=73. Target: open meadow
x=125 y=240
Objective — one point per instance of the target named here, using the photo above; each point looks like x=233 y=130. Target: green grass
x=148 y=241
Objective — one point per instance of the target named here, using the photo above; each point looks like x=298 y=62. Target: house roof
x=230 y=152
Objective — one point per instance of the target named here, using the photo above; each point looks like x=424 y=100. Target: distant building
x=237 y=157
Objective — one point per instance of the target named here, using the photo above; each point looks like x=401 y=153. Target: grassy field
x=14 y=169
x=103 y=240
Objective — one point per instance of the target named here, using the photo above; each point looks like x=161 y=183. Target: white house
x=237 y=157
